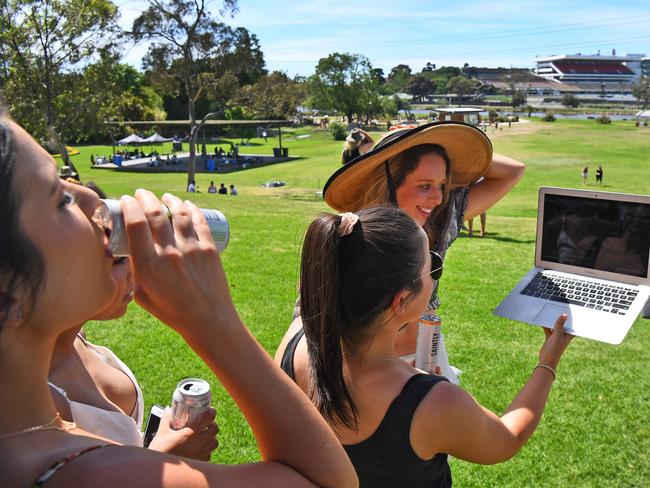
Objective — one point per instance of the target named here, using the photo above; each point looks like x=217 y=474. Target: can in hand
x=111 y=215
x=428 y=342
x=190 y=400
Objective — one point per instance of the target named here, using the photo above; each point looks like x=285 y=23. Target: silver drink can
x=190 y=400
x=428 y=342
x=111 y=215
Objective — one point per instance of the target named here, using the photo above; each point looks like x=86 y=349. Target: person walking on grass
x=599 y=175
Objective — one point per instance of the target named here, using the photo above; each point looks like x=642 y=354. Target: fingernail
x=139 y=190
x=126 y=198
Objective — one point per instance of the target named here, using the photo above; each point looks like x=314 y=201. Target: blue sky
x=294 y=35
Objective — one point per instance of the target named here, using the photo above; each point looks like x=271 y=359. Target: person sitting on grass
x=363 y=277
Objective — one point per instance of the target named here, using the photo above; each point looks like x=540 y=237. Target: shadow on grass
x=495 y=236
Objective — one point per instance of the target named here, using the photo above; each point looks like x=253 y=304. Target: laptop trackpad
x=550 y=313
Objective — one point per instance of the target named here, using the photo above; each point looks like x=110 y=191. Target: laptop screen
x=595 y=233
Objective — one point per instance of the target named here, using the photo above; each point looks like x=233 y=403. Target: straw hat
x=468 y=148
x=355 y=137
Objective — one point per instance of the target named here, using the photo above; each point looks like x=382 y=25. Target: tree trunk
x=191 y=164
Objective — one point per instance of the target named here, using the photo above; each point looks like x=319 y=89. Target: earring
x=19 y=314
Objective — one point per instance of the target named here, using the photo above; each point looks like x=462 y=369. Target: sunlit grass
x=595 y=431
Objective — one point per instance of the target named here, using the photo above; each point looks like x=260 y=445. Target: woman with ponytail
x=364 y=277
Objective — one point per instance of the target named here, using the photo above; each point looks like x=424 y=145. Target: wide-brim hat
x=358 y=139
x=468 y=148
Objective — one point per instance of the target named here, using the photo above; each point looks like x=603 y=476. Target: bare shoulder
x=439 y=415
x=295 y=326
x=443 y=399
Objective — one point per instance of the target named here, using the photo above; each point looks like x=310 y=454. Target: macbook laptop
x=592 y=255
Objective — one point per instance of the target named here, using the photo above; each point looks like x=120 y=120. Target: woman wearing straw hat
x=431 y=173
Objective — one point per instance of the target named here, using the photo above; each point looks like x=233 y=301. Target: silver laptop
x=592 y=256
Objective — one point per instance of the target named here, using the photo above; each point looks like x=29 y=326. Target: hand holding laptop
x=592 y=263
x=555 y=344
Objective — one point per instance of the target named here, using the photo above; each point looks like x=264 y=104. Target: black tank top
x=386 y=458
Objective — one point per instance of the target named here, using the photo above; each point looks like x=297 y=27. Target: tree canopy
x=42 y=41
x=420 y=86
x=343 y=82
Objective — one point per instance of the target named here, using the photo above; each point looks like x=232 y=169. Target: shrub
x=604 y=119
x=548 y=117
x=570 y=100
x=338 y=131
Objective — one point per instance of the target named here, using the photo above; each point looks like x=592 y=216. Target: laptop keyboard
x=615 y=299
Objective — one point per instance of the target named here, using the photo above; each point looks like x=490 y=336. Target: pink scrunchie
x=348 y=221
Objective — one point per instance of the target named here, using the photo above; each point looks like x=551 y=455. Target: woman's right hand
x=177 y=270
x=196 y=441
x=555 y=344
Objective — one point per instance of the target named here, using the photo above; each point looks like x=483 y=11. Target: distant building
x=505 y=79
x=469 y=115
x=594 y=72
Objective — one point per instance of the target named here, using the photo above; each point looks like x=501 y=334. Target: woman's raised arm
x=502 y=175
x=451 y=421
x=180 y=280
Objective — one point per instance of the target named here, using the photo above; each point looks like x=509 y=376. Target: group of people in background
x=349 y=411
x=222 y=190
x=192 y=187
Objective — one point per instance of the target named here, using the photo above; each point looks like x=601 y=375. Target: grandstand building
x=593 y=73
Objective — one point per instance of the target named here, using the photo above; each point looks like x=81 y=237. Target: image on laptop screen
x=604 y=235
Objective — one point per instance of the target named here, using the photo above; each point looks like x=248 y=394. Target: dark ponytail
x=346 y=284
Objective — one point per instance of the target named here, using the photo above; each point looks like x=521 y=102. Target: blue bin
x=117 y=159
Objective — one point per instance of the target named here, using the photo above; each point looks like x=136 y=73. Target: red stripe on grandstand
x=593 y=68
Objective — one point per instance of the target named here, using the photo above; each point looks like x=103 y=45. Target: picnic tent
x=155 y=139
x=131 y=140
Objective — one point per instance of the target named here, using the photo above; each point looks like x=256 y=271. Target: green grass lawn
x=595 y=430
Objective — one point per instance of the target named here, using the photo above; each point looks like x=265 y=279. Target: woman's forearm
x=287 y=427
x=524 y=413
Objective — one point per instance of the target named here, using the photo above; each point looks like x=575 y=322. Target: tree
x=429 y=68
x=419 y=86
x=342 y=82
x=461 y=86
x=377 y=74
x=641 y=92
x=518 y=99
x=397 y=78
x=41 y=40
x=186 y=42
x=570 y=100
x=274 y=96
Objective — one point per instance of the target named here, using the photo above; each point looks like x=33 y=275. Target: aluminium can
x=189 y=401
x=111 y=215
x=428 y=342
